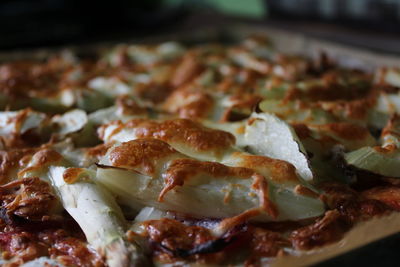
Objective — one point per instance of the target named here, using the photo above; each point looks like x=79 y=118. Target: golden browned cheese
x=70 y=175
x=128 y=106
x=42 y=158
x=140 y=154
x=184 y=131
x=181 y=170
x=280 y=171
x=98 y=151
x=189 y=103
x=188 y=69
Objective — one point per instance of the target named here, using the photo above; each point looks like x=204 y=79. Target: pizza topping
x=127 y=106
x=41 y=159
x=182 y=169
x=98 y=151
x=326 y=230
x=265 y=243
x=267 y=135
x=232 y=190
x=98 y=215
x=186 y=70
x=32 y=201
x=184 y=135
x=278 y=171
x=231 y=147
x=140 y=154
x=12 y=161
x=390 y=195
x=381 y=160
x=189 y=103
x=28 y=241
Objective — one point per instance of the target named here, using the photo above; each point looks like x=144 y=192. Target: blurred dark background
x=36 y=23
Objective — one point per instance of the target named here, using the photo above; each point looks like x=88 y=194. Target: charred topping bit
x=390 y=195
x=301 y=130
x=28 y=241
x=353 y=206
x=265 y=243
x=326 y=230
x=174 y=235
x=172 y=240
x=34 y=199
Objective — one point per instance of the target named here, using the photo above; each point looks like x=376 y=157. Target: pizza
x=204 y=155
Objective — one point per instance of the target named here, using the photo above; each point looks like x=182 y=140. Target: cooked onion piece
x=149 y=172
x=262 y=134
x=267 y=135
x=186 y=136
x=15 y=124
x=96 y=212
x=384 y=159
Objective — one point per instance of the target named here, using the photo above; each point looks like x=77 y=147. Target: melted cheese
x=148 y=171
x=184 y=135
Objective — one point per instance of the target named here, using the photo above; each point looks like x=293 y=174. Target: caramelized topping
x=182 y=131
x=98 y=151
x=278 y=170
x=189 y=68
x=41 y=159
x=11 y=160
x=128 y=106
x=189 y=104
x=326 y=230
x=140 y=154
x=181 y=170
x=71 y=175
x=34 y=199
